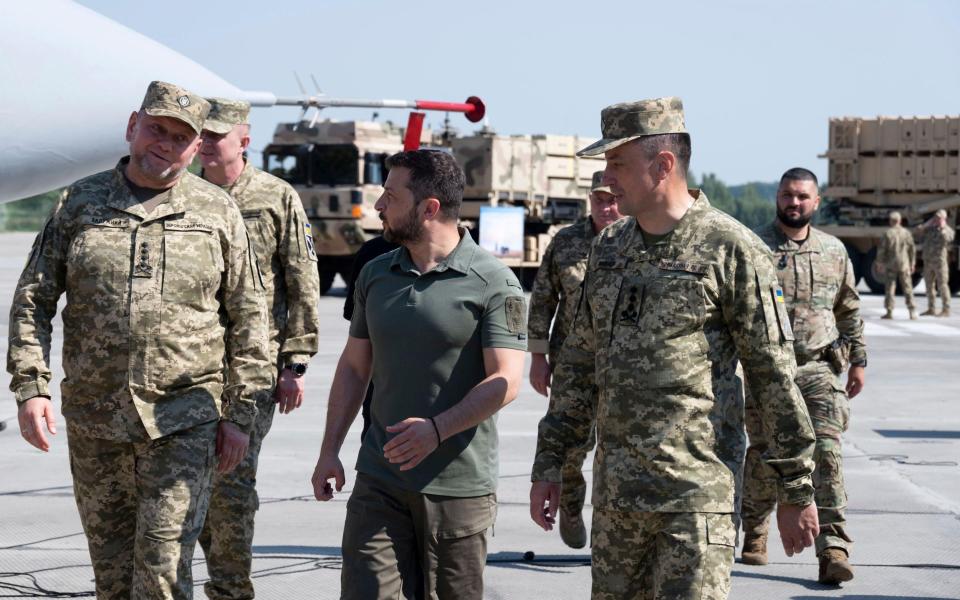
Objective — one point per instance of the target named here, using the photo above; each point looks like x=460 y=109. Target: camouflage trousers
x=936 y=280
x=829 y=410
x=653 y=556
x=227 y=537
x=890 y=287
x=573 y=487
x=142 y=505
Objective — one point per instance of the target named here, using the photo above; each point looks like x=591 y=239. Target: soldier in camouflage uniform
x=164 y=331
x=937 y=239
x=819 y=291
x=556 y=292
x=673 y=298
x=281 y=239
x=896 y=259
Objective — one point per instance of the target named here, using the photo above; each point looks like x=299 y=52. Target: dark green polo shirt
x=428 y=331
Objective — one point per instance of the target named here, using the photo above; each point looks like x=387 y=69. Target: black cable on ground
x=34 y=589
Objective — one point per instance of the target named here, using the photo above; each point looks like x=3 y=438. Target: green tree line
x=27 y=214
x=753 y=204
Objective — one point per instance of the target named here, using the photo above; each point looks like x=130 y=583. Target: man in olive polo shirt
x=440 y=326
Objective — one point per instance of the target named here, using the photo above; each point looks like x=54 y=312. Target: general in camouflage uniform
x=281 y=239
x=162 y=294
x=556 y=293
x=666 y=314
x=896 y=259
x=820 y=295
x=937 y=239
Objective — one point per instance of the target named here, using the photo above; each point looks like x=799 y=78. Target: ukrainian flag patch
x=308 y=239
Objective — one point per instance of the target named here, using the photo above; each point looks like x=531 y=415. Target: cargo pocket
x=720 y=530
x=455 y=518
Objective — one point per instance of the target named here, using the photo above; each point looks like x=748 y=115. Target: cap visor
x=601 y=146
x=175 y=114
x=217 y=126
x=602 y=188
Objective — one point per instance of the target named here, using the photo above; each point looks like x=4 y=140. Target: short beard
x=793 y=222
x=165 y=176
x=411 y=230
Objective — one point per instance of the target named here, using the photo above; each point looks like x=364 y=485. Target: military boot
x=929 y=313
x=754 y=549
x=573 y=531
x=888 y=315
x=834 y=567
x=913 y=315
x=944 y=313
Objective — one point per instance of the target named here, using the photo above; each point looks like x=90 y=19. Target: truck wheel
x=869 y=272
x=954 y=274
x=326 y=280
x=856 y=260
x=875 y=281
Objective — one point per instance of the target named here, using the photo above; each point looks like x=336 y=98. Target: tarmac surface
x=901 y=460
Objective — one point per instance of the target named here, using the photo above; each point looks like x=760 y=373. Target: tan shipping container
x=843 y=173
x=869 y=135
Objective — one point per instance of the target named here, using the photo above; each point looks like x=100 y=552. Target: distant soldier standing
x=556 y=292
x=280 y=235
x=896 y=260
x=674 y=297
x=820 y=295
x=164 y=325
x=937 y=238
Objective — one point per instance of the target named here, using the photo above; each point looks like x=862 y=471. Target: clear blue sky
x=759 y=79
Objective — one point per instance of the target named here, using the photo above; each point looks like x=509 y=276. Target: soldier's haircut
x=800 y=174
x=676 y=143
x=433 y=174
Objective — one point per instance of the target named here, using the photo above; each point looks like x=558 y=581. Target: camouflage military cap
x=621 y=123
x=169 y=100
x=597 y=184
x=224 y=114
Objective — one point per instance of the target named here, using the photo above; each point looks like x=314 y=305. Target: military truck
x=905 y=164
x=338 y=168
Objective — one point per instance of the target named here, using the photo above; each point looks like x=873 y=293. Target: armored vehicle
x=905 y=164
x=338 y=168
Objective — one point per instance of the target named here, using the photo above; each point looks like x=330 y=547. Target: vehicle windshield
x=335 y=164
x=375 y=168
x=286 y=162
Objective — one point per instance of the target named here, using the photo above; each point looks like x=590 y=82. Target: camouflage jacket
x=819 y=290
x=558 y=284
x=281 y=238
x=936 y=242
x=156 y=306
x=897 y=251
x=655 y=344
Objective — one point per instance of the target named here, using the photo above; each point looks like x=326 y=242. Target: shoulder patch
x=516 y=309
x=782 y=317
x=308 y=239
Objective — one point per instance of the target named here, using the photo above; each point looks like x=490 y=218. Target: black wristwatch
x=298 y=368
x=860 y=363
